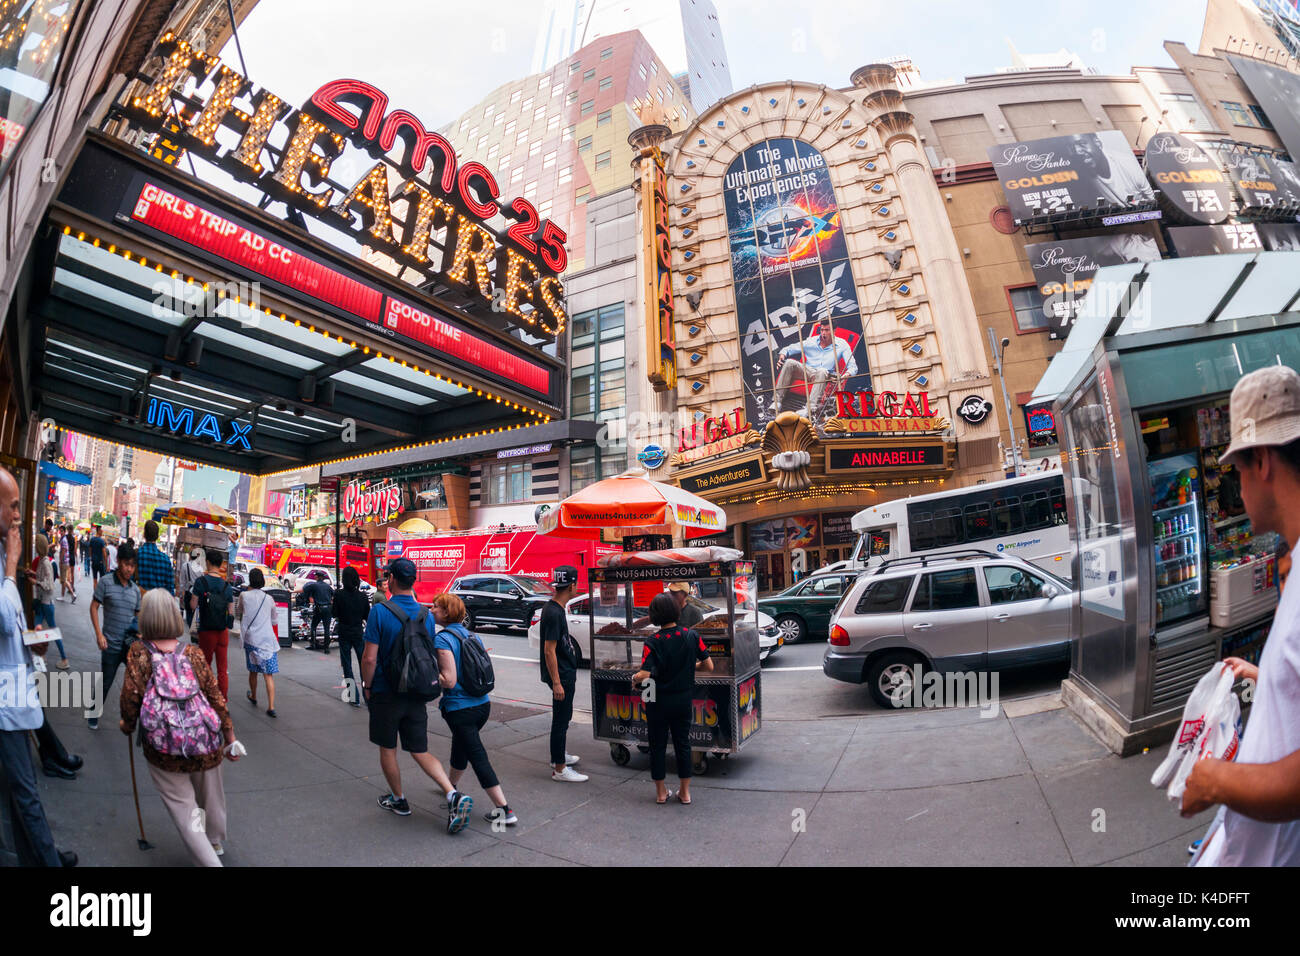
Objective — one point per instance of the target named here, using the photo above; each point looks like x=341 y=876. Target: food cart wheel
x=620 y=754
x=700 y=765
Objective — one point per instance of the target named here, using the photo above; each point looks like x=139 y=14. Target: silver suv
x=951 y=611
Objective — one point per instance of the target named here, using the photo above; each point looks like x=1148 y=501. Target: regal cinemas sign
x=444 y=213
x=874 y=412
x=715 y=435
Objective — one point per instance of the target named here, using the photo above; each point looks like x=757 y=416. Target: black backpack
x=214 y=606
x=412 y=666
x=475 y=675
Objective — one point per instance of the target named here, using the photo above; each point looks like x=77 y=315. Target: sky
x=437 y=58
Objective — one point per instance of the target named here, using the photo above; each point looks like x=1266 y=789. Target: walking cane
x=142 y=843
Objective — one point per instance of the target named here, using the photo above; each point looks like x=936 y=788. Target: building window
x=507 y=482
x=510 y=128
x=517 y=175
x=602 y=160
x=566 y=174
x=544 y=210
x=522 y=137
x=505 y=162
x=641 y=71
x=590 y=74
x=464 y=123
x=531 y=189
x=539 y=114
x=606 y=53
x=487 y=111
x=553 y=125
x=569 y=131
x=605 y=118
x=473 y=132
x=575 y=66
x=501 y=118
x=544 y=82
x=584 y=144
x=582 y=194
x=493 y=150
x=606 y=82
x=1239 y=115
x=534 y=147
x=572 y=98
x=587 y=107
x=1027 y=308
x=654 y=67
x=548 y=160
x=482 y=141
x=526 y=105
x=1261 y=118
x=599 y=375
x=514 y=97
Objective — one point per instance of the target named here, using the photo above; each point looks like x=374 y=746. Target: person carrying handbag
x=211 y=597
x=257 y=631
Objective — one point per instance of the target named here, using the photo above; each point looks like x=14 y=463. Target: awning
x=58 y=473
x=1168 y=294
x=146 y=335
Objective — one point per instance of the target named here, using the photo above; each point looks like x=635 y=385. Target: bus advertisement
x=280 y=558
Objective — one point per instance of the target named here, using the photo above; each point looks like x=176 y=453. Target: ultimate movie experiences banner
x=797 y=307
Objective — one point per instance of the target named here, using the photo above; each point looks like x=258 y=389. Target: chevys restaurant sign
x=381 y=502
x=457 y=200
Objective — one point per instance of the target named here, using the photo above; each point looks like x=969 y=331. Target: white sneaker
x=219 y=849
x=570 y=759
x=568 y=775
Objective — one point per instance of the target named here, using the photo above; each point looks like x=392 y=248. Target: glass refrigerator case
x=1178 y=537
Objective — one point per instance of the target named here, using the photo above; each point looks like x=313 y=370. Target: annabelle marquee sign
x=458 y=199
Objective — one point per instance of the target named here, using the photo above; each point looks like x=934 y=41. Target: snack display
x=670 y=556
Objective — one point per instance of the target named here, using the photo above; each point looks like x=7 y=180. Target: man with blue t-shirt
x=395 y=716
x=818 y=363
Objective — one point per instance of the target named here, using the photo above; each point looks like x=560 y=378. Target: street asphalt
x=829 y=779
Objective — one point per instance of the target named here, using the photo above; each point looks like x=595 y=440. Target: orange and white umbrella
x=630 y=504
x=201 y=512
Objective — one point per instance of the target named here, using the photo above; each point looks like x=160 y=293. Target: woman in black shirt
x=351 y=608
x=669 y=661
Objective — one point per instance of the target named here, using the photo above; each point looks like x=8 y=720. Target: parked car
x=956 y=611
x=239 y=576
x=803 y=611
x=508 y=600
x=306 y=575
x=579 y=614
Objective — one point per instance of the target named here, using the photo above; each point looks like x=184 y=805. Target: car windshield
x=531 y=586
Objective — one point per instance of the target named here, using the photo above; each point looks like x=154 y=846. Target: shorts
x=392 y=716
x=265 y=663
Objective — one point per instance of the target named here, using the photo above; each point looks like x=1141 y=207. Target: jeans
x=466 y=745
x=350 y=641
x=318 y=615
x=665 y=718
x=44 y=614
x=561 y=714
x=109 y=661
x=16 y=758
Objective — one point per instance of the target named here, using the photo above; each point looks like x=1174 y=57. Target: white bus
x=1022 y=516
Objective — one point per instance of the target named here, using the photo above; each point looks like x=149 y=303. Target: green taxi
x=803 y=610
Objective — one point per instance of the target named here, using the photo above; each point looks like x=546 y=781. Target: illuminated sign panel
x=661 y=347
x=459 y=198
x=181 y=420
x=871 y=458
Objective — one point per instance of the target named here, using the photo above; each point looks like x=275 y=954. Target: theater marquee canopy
x=174 y=317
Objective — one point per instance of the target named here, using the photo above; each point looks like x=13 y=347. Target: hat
x=680 y=586
x=402 y=570
x=564 y=576
x=318 y=575
x=1264 y=409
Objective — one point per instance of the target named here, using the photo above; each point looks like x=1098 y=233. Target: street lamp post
x=1006 y=399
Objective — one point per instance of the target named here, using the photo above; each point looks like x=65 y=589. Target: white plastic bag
x=1210 y=728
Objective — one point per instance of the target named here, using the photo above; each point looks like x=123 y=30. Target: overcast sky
x=436 y=58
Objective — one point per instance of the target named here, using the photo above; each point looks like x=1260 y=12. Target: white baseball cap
x=1264 y=409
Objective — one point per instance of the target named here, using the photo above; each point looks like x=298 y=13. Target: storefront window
x=1160 y=376
x=587 y=464
x=31 y=43
x=507 y=482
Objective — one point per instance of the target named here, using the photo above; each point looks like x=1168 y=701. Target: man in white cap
x=1261 y=789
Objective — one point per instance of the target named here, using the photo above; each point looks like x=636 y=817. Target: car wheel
x=792 y=628
x=891 y=677
x=469 y=620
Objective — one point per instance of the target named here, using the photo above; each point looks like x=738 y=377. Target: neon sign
x=180 y=420
x=381 y=502
x=661 y=349
x=461 y=198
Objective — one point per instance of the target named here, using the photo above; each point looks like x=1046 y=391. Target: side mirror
x=1050 y=591
x=516 y=593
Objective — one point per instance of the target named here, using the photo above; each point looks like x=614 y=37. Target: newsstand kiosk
x=727 y=702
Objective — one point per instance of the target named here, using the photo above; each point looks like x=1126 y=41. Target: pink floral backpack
x=175 y=717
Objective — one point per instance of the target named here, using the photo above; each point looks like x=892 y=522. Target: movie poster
x=797 y=309
x=1062 y=174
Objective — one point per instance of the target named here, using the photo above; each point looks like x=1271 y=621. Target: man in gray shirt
x=119 y=596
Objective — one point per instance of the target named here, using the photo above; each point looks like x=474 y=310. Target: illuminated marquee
x=463 y=196
x=661 y=346
x=181 y=421
x=381 y=502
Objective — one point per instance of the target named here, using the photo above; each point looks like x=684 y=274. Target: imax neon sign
x=181 y=421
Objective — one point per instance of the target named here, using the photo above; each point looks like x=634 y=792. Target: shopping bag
x=1210 y=728
x=1211 y=849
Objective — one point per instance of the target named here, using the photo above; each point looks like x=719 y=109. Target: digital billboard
x=797 y=309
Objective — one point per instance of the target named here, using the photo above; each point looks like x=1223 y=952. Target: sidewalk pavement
x=910 y=788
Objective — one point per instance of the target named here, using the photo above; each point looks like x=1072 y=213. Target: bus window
x=922 y=532
x=1006 y=516
x=1058 y=507
x=979 y=521
x=947 y=528
x=1037 y=510
x=878 y=543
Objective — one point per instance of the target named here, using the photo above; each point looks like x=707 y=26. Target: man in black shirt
x=559 y=660
x=96 y=554
x=321 y=598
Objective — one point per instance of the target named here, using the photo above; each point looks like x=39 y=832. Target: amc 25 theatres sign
x=445 y=217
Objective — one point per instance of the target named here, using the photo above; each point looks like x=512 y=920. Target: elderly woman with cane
x=172 y=694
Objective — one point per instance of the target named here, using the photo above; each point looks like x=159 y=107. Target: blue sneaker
x=458 y=811
x=1196 y=845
